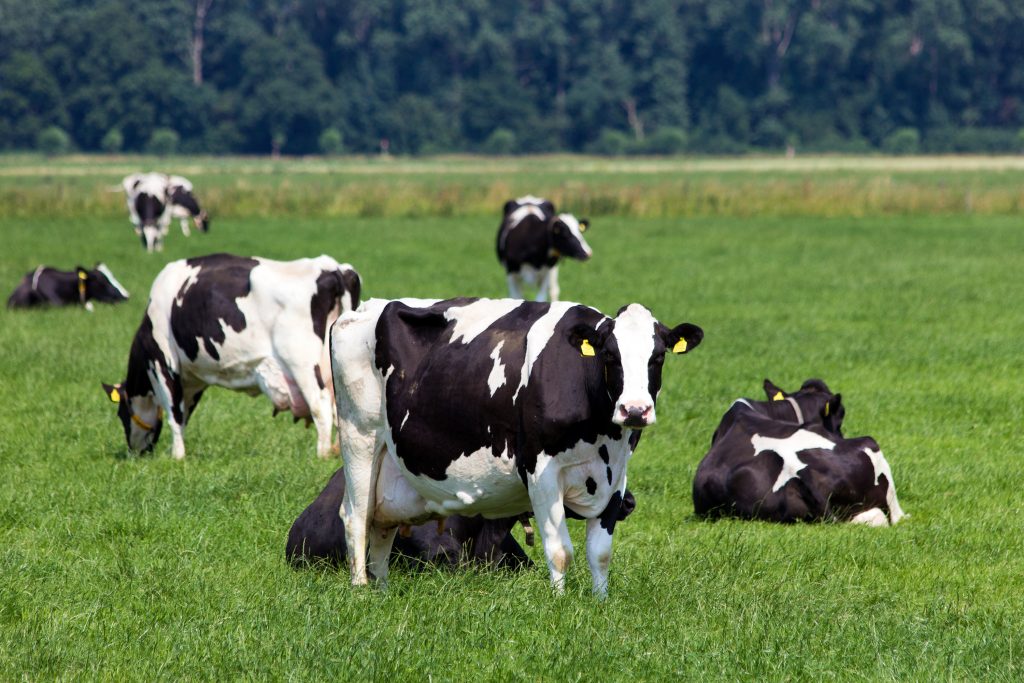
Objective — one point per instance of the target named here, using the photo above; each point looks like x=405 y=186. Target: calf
x=319 y=535
x=154 y=199
x=493 y=407
x=531 y=240
x=247 y=324
x=47 y=286
x=784 y=470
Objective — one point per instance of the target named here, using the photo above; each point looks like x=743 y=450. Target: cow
x=531 y=240
x=781 y=469
x=47 y=286
x=813 y=403
x=244 y=323
x=154 y=199
x=493 y=407
x=318 y=535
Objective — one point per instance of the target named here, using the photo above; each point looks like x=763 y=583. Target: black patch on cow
x=319 y=377
x=149 y=208
x=603 y=452
x=185 y=199
x=591 y=486
x=200 y=310
x=608 y=472
x=610 y=515
x=329 y=289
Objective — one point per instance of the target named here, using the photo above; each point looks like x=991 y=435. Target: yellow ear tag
x=778 y=396
x=586 y=349
x=680 y=346
x=115 y=396
x=826 y=410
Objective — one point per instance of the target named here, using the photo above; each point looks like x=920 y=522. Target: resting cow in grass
x=493 y=407
x=248 y=324
x=767 y=463
x=531 y=240
x=154 y=199
x=47 y=286
x=319 y=535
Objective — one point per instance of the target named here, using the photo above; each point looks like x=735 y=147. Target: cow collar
x=145 y=425
x=796 y=409
x=35 y=278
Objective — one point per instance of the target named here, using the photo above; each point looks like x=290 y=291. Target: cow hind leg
x=361 y=464
x=549 y=509
x=872 y=517
x=515 y=286
x=380 y=552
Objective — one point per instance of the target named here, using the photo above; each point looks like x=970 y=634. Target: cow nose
x=636 y=415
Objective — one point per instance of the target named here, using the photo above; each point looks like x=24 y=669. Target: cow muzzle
x=634 y=415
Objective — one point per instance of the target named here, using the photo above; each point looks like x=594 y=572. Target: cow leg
x=167 y=389
x=544 y=280
x=552 y=279
x=872 y=517
x=549 y=509
x=599 y=544
x=515 y=286
x=361 y=463
x=184 y=227
x=380 y=552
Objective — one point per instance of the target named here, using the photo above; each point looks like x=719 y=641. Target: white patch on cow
x=472 y=319
x=574 y=228
x=742 y=401
x=537 y=338
x=530 y=199
x=634 y=332
x=787 y=449
x=881 y=466
x=113 y=280
x=517 y=216
x=872 y=517
x=404 y=420
x=497 y=376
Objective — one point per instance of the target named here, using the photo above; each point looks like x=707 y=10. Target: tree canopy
x=424 y=76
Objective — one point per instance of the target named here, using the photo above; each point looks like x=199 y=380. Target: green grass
x=121 y=567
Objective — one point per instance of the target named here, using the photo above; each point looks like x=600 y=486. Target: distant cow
x=493 y=407
x=248 y=324
x=154 y=199
x=319 y=535
x=784 y=470
x=47 y=286
x=531 y=240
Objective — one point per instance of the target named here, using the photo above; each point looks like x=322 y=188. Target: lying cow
x=47 y=286
x=154 y=199
x=531 y=240
x=248 y=324
x=493 y=407
x=319 y=535
x=813 y=403
x=779 y=469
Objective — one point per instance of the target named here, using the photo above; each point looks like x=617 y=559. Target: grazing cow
x=154 y=199
x=319 y=535
x=776 y=468
x=248 y=324
x=813 y=403
x=47 y=286
x=531 y=239
x=493 y=407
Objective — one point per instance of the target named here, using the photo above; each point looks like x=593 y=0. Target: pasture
x=899 y=283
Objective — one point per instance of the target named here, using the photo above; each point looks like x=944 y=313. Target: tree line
x=427 y=76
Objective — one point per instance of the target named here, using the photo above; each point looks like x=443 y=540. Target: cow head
x=102 y=286
x=818 y=405
x=566 y=235
x=140 y=416
x=181 y=195
x=631 y=348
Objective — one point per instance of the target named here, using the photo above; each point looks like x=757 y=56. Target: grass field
x=118 y=567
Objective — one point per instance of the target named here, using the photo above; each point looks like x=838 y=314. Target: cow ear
x=684 y=338
x=832 y=413
x=113 y=392
x=585 y=339
x=510 y=206
x=584 y=224
x=547 y=207
x=773 y=392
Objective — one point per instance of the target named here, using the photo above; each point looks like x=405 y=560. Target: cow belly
x=280 y=388
x=587 y=481
x=478 y=483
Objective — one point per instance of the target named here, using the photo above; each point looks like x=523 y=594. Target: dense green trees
x=646 y=76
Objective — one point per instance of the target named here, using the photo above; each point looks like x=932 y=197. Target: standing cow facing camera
x=246 y=324
x=531 y=240
x=47 y=286
x=493 y=407
x=790 y=463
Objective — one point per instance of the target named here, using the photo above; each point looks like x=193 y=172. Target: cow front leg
x=380 y=553
x=515 y=286
x=184 y=227
x=553 y=291
x=549 y=509
x=544 y=278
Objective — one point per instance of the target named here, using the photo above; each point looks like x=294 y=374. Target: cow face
x=103 y=286
x=202 y=221
x=566 y=234
x=632 y=351
x=817 y=403
x=140 y=416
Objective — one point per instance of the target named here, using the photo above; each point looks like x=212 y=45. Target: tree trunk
x=198 y=39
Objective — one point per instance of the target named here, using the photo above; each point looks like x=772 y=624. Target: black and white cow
x=763 y=465
x=247 y=324
x=493 y=407
x=813 y=403
x=47 y=286
x=319 y=535
x=154 y=199
x=531 y=240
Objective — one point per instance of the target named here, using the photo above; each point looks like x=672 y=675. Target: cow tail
x=348 y=281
